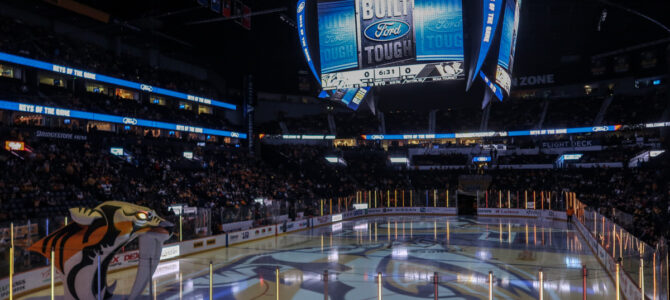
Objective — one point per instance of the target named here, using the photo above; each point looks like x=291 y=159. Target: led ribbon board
x=433 y=136
x=69 y=113
x=111 y=80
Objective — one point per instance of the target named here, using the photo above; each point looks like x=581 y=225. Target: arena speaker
x=84 y=248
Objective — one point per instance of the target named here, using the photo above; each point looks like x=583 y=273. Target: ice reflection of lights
x=237 y=287
x=417 y=276
x=599 y=289
x=292 y=277
x=337 y=227
x=333 y=256
x=400 y=252
x=564 y=287
x=167 y=268
x=509 y=231
x=526 y=233
x=596 y=288
x=573 y=262
x=361 y=227
x=484 y=255
x=561 y=286
x=396 y=230
x=188 y=286
x=472 y=279
x=448 y=221
x=310 y=276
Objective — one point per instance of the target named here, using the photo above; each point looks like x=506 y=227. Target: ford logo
x=333 y=40
x=449 y=24
x=130 y=121
x=387 y=30
x=234 y=134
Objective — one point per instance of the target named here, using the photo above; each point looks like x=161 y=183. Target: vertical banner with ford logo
x=337 y=35
x=439 y=29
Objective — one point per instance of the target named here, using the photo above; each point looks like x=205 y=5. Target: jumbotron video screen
x=365 y=43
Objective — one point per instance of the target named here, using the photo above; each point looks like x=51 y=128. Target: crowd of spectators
x=572 y=112
x=104 y=102
x=35 y=42
x=515 y=114
x=512 y=114
x=440 y=160
x=637 y=109
x=406 y=121
x=458 y=120
x=347 y=125
x=313 y=124
x=57 y=174
x=355 y=124
x=527 y=159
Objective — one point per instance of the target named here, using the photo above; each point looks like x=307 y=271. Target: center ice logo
x=387 y=30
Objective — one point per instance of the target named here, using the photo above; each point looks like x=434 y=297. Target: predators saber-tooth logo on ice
x=101 y=232
x=386 y=31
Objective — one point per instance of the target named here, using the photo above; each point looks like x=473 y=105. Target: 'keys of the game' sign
x=386 y=31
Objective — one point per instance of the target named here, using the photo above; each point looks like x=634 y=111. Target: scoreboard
x=364 y=43
x=393 y=75
x=369 y=43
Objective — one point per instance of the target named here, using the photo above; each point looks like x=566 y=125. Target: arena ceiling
x=553 y=33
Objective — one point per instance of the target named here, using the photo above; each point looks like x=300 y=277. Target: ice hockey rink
x=406 y=250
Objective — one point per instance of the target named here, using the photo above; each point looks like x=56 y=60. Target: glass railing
x=645 y=265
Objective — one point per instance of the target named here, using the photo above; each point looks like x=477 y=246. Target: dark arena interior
x=334 y=149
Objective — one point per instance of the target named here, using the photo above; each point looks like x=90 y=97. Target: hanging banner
x=358 y=98
x=302 y=33
x=491 y=14
x=508 y=44
x=492 y=86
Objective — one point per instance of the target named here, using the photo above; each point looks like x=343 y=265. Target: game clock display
x=380 y=42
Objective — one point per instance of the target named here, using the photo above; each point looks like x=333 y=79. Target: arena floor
x=406 y=250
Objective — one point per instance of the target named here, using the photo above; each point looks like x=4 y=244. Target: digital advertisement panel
x=365 y=43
